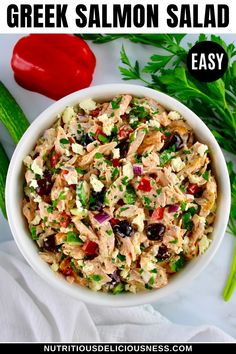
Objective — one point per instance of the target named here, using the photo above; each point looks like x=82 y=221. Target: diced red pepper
x=193 y=189
x=66 y=66
x=90 y=247
x=113 y=222
x=158 y=214
x=54 y=159
x=164 y=137
x=125 y=131
x=95 y=112
x=145 y=185
x=64 y=219
x=65 y=267
x=116 y=162
x=64 y=172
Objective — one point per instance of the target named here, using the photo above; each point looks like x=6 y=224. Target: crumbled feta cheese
x=78 y=149
x=177 y=164
x=153 y=123
x=131 y=288
x=64 y=230
x=147 y=262
x=124 y=273
x=36 y=168
x=88 y=105
x=139 y=221
x=116 y=153
x=33 y=183
x=27 y=161
x=37 y=199
x=71 y=177
x=68 y=114
x=194 y=179
x=204 y=243
x=95 y=285
x=173 y=115
x=80 y=212
x=96 y=184
x=146 y=276
x=36 y=220
x=55 y=267
x=107 y=122
x=202 y=149
x=128 y=170
x=88 y=268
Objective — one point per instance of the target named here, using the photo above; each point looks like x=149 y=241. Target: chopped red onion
x=138 y=169
x=173 y=208
x=102 y=217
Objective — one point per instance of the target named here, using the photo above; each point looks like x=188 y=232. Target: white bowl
x=14 y=194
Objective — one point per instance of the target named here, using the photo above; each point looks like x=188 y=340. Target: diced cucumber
x=4 y=163
x=73 y=239
x=119 y=288
x=11 y=115
x=83 y=192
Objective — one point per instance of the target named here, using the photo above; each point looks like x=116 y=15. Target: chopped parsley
x=64 y=141
x=158 y=191
x=183 y=206
x=152 y=280
x=174 y=242
x=121 y=257
x=114 y=173
x=33 y=232
x=177 y=265
x=187 y=221
x=205 y=175
x=79 y=171
x=96 y=277
x=116 y=103
x=130 y=195
x=108 y=162
x=154 y=271
x=124 y=180
x=109 y=232
x=98 y=155
x=166 y=156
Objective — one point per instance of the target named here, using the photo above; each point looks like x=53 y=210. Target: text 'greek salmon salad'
x=119 y=195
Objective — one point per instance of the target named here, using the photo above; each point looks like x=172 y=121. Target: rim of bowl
x=28 y=247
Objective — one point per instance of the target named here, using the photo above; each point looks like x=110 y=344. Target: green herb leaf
x=64 y=141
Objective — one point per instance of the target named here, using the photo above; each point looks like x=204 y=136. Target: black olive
x=155 y=232
x=114 y=278
x=124 y=147
x=86 y=139
x=162 y=253
x=49 y=243
x=174 y=140
x=97 y=201
x=45 y=185
x=123 y=229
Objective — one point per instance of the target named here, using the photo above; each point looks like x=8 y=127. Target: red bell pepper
x=193 y=189
x=158 y=214
x=54 y=65
x=125 y=131
x=90 y=247
x=64 y=219
x=145 y=185
x=54 y=159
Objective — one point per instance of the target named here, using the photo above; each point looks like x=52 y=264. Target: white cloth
x=30 y=310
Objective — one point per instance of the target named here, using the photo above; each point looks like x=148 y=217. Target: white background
x=201 y=301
